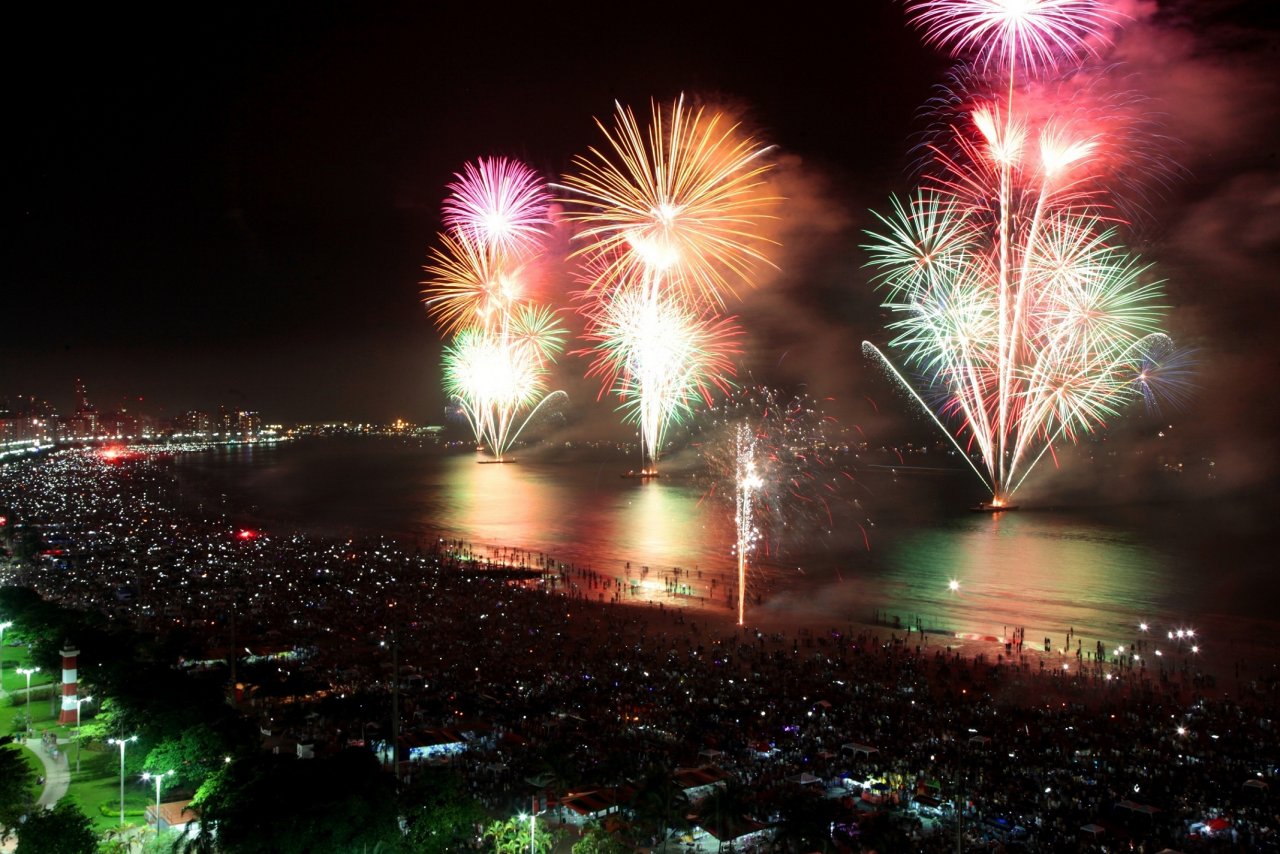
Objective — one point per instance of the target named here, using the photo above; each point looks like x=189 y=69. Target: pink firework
x=499 y=203
x=1007 y=34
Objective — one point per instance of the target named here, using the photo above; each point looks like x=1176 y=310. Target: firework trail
x=1014 y=303
x=670 y=219
x=773 y=459
x=497 y=363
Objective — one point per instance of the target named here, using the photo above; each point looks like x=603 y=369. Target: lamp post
x=122 y=743
x=3 y=626
x=159 y=778
x=79 y=702
x=27 y=672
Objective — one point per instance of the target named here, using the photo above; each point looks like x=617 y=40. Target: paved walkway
x=57 y=777
x=57 y=773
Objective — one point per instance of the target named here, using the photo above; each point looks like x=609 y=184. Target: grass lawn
x=13 y=657
x=98 y=783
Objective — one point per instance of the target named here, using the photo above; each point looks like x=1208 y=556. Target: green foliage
x=61 y=830
x=16 y=783
x=126 y=839
x=192 y=756
x=512 y=837
x=597 y=840
x=263 y=804
x=111 y=809
x=439 y=814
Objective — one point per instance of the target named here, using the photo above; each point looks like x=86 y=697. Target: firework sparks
x=496 y=366
x=471 y=284
x=772 y=457
x=498 y=203
x=659 y=358
x=683 y=203
x=1014 y=302
x=670 y=221
x=1008 y=34
x=494 y=376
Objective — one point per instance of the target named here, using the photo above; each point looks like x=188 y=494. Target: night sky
x=232 y=205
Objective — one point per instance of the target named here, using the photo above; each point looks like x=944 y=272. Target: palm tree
x=804 y=822
x=661 y=803
x=512 y=837
x=722 y=810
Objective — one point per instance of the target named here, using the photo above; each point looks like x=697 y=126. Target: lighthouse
x=69 y=698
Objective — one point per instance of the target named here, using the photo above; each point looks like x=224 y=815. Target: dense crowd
x=559 y=689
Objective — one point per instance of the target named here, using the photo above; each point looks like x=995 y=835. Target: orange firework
x=677 y=207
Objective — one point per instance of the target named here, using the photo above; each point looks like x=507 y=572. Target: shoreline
x=1224 y=674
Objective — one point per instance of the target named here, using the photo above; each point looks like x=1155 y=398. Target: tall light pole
x=3 y=626
x=122 y=743
x=79 y=702
x=27 y=672
x=159 y=778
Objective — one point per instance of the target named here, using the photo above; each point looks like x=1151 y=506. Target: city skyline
x=243 y=215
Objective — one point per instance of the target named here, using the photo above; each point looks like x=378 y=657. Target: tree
x=805 y=822
x=283 y=805
x=661 y=804
x=512 y=837
x=439 y=815
x=722 y=810
x=191 y=756
x=16 y=783
x=597 y=840
x=126 y=839
x=61 y=830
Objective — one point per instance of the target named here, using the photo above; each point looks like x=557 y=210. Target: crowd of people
x=556 y=685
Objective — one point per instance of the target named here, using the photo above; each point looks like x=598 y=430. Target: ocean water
x=1098 y=569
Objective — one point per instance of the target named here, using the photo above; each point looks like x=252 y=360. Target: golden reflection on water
x=660 y=524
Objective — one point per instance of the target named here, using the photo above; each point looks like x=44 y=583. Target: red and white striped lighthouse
x=68 y=715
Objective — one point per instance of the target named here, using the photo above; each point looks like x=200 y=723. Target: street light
x=78 y=703
x=159 y=778
x=122 y=743
x=3 y=626
x=27 y=672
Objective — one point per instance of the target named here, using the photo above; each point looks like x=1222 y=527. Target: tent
x=857 y=750
x=804 y=779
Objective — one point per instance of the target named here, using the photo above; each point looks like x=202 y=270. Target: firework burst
x=660 y=359
x=1003 y=35
x=495 y=376
x=497 y=363
x=670 y=221
x=1014 y=303
x=499 y=203
x=683 y=203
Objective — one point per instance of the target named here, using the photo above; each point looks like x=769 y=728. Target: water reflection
x=1045 y=571
x=603 y=521
x=1098 y=572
